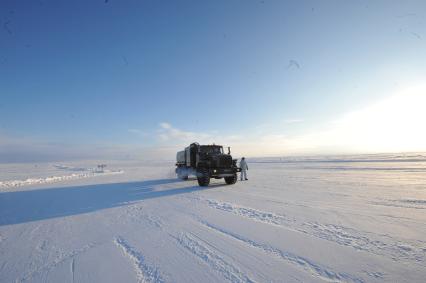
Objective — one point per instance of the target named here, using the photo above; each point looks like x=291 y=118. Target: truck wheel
x=203 y=177
x=231 y=180
x=181 y=174
x=183 y=177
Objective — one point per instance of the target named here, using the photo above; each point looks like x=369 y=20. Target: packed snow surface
x=334 y=219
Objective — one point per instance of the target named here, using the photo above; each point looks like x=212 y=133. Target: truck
x=206 y=162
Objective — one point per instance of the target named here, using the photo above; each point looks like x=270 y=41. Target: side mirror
x=229 y=150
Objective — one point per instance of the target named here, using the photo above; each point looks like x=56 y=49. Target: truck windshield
x=211 y=149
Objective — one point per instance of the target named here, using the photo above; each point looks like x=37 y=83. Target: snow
x=329 y=219
x=52 y=174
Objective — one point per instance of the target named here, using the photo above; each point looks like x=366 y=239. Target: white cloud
x=169 y=133
x=250 y=144
x=165 y=125
x=292 y=121
x=177 y=139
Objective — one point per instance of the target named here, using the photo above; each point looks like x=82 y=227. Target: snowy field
x=352 y=219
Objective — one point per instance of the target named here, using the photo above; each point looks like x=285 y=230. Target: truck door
x=193 y=156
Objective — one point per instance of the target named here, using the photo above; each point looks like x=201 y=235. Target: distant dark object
x=6 y=27
x=101 y=168
x=106 y=1
x=412 y=33
x=293 y=63
x=416 y=35
x=27 y=45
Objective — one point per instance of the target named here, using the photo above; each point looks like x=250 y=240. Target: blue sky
x=143 y=75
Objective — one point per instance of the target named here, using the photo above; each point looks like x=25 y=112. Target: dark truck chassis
x=205 y=162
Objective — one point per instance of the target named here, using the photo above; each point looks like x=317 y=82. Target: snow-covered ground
x=353 y=219
x=30 y=174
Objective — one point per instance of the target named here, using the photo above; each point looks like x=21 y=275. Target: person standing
x=244 y=168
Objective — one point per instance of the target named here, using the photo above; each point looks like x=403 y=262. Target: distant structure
x=100 y=168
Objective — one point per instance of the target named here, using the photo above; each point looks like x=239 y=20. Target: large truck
x=205 y=162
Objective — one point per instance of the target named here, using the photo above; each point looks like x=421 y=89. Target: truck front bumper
x=224 y=172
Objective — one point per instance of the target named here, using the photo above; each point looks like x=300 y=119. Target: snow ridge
x=145 y=273
x=54 y=179
x=212 y=258
x=257 y=215
x=315 y=269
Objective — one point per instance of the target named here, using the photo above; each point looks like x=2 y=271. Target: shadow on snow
x=25 y=206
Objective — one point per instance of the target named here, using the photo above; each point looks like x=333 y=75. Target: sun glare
x=396 y=124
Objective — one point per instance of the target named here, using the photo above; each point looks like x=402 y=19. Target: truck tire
x=203 y=177
x=183 y=177
x=181 y=174
x=231 y=179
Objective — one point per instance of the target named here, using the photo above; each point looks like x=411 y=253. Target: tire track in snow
x=135 y=213
x=316 y=269
x=334 y=233
x=210 y=256
x=390 y=247
x=49 y=266
x=253 y=214
x=144 y=272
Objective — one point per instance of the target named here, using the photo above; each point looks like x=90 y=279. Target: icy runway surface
x=356 y=219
